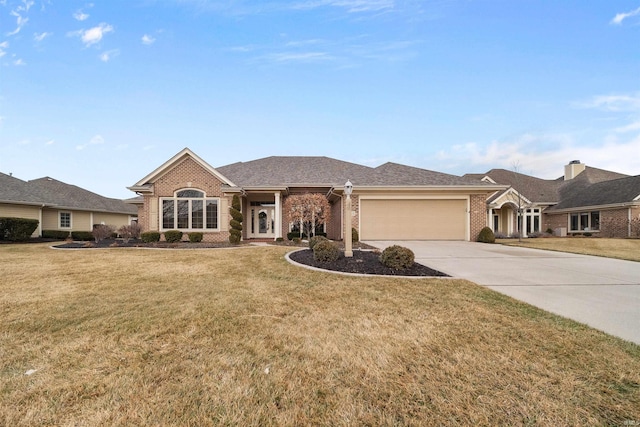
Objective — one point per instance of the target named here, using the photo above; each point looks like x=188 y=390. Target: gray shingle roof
x=539 y=190
x=15 y=190
x=69 y=196
x=617 y=191
x=325 y=171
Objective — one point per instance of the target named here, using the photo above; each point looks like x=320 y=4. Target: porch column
x=490 y=219
x=278 y=219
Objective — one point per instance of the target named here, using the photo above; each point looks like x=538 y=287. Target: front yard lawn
x=628 y=249
x=241 y=337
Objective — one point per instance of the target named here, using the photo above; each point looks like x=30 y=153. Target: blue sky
x=98 y=94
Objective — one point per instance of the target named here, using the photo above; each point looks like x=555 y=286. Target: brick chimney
x=573 y=169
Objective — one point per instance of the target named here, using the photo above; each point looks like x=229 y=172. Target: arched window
x=190 y=209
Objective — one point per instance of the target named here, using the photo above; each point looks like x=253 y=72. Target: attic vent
x=574 y=162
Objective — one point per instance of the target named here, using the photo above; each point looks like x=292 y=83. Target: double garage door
x=413 y=219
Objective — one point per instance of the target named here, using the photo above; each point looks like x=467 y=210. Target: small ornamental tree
x=309 y=210
x=235 y=232
x=101 y=232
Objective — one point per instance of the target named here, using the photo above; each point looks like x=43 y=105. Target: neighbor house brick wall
x=478 y=220
x=554 y=221
x=188 y=174
x=615 y=222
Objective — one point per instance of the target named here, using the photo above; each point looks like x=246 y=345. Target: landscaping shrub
x=101 y=232
x=486 y=236
x=315 y=240
x=397 y=257
x=55 y=234
x=195 y=237
x=235 y=233
x=83 y=236
x=17 y=229
x=294 y=234
x=173 y=236
x=355 y=237
x=326 y=251
x=150 y=236
x=131 y=231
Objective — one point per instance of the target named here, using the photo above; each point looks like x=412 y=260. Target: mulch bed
x=363 y=262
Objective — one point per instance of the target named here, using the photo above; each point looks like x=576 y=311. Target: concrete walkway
x=601 y=292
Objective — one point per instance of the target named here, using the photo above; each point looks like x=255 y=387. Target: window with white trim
x=190 y=210
x=64 y=219
x=584 y=221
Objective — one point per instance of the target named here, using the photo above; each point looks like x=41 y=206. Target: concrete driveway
x=600 y=292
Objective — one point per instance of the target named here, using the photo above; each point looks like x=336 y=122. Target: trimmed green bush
x=235 y=232
x=486 y=236
x=17 y=229
x=55 y=234
x=397 y=257
x=173 y=236
x=326 y=251
x=84 y=236
x=150 y=236
x=235 y=236
x=315 y=240
x=195 y=237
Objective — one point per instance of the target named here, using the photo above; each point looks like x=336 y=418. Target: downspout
x=629 y=222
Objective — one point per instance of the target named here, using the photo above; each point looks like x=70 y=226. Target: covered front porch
x=265 y=217
x=504 y=220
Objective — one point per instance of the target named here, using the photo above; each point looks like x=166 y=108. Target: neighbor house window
x=584 y=221
x=65 y=219
x=190 y=210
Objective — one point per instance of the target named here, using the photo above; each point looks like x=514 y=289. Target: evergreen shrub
x=397 y=257
x=173 y=236
x=326 y=251
x=486 y=236
x=150 y=236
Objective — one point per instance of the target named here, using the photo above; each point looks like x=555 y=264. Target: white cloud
x=617 y=20
x=93 y=35
x=109 y=55
x=3 y=46
x=20 y=22
x=543 y=156
x=352 y=6
x=628 y=128
x=19 y=62
x=148 y=40
x=39 y=37
x=80 y=15
x=299 y=57
x=50 y=142
x=615 y=103
x=95 y=140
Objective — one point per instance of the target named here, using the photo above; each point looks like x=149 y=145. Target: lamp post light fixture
x=348 y=189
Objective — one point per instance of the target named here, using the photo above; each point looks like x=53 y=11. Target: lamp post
x=348 y=251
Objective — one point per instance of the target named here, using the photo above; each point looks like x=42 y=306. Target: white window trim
x=589 y=229
x=175 y=199
x=60 y=220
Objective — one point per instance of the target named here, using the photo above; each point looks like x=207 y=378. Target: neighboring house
x=391 y=201
x=584 y=200
x=60 y=206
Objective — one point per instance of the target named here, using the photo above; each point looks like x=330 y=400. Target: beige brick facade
x=187 y=174
x=478 y=215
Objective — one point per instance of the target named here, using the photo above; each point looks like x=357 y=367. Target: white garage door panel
x=413 y=219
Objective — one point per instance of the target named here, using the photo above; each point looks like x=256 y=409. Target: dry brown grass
x=628 y=249
x=240 y=337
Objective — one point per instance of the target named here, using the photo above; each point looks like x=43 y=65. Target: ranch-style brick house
x=60 y=206
x=583 y=200
x=391 y=201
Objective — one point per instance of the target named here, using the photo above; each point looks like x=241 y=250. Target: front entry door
x=262 y=222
